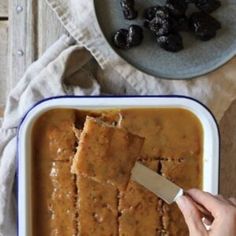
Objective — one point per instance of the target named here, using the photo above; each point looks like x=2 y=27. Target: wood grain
x=3 y=61
x=32 y=31
x=4 y=8
x=228 y=152
x=22 y=37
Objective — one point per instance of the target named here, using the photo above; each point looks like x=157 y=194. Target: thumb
x=192 y=216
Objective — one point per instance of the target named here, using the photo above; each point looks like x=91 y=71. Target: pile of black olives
x=166 y=22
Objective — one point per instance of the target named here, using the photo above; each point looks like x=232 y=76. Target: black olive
x=135 y=35
x=207 y=5
x=190 y=1
x=125 y=39
x=177 y=7
x=163 y=12
x=182 y=24
x=171 y=42
x=120 y=39
x=129 y=3
x=128 y=9
x=146 y=24
x=162 y=23
x=150 y=12
x=160 y=26
x=203 y=25
x=129 y=13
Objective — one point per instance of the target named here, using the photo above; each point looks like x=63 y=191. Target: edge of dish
x=98 y=102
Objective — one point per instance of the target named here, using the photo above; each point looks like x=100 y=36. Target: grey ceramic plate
x=196 y=59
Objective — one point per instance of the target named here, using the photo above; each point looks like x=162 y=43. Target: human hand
x=223 y=210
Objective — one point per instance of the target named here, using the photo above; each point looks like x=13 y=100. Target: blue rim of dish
x=162 y=76
x=128 y=96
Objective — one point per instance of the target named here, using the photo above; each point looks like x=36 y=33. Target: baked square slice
x=97 y=208
x=106 y=154
x=139 y=209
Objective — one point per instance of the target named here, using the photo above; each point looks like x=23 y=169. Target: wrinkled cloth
x=50 y=76
x=83 y=64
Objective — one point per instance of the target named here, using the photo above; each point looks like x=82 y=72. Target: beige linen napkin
x=50 y=76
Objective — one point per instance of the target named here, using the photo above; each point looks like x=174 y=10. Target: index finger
x=207 y=200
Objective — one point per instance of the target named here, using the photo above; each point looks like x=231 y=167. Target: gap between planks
x=1 y=111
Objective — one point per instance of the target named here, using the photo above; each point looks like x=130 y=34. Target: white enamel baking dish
x=210 y=133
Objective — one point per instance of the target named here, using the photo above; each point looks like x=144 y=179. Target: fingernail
x=181 y=202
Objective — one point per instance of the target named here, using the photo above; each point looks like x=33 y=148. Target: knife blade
x=156 y=183
x=163 y=188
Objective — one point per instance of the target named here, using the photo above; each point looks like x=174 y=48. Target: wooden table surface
x=29 y=33
x=3 y=47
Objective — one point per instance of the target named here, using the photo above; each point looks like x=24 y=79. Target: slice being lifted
x=106 y=154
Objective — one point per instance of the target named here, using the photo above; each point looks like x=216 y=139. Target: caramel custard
x=68 y=204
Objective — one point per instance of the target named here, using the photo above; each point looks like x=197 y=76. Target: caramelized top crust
x=106 y=153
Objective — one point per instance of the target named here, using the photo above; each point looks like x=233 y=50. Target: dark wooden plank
x=228 y=152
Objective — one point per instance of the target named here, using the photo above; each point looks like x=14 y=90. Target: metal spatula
x=162 y=187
